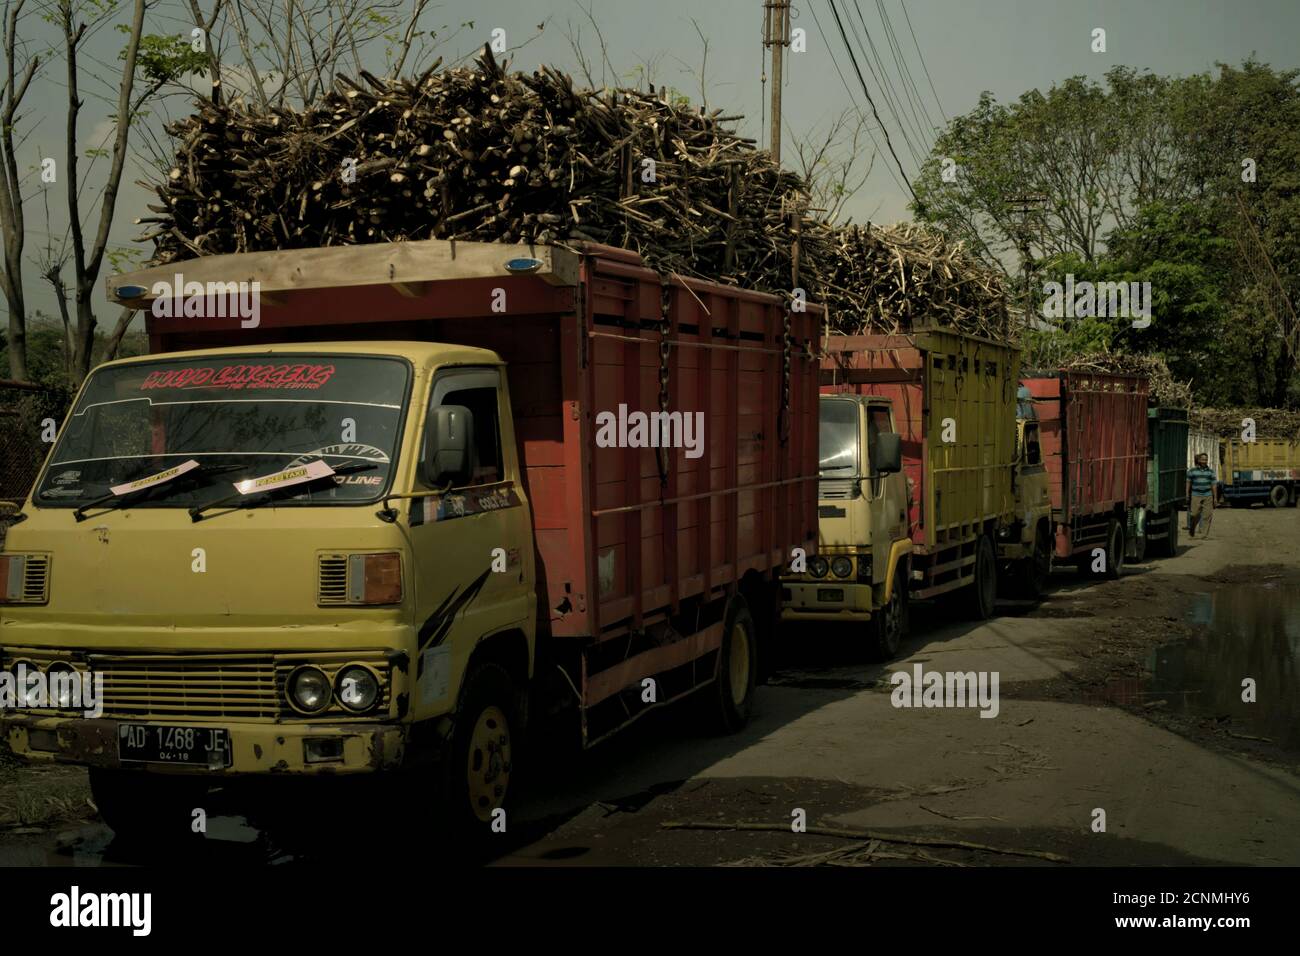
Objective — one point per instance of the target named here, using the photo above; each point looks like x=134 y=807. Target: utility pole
x=1024 y=206
x=776 y=36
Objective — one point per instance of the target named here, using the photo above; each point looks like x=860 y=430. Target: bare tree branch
x=12 y=224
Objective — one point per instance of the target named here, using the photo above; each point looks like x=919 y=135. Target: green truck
x=1167 y=430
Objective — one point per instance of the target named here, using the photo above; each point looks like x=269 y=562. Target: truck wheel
x=889 y=623
x=1278 y=496
x=479 y=762
x=1036 y=571
x=1171 y=542
x=147 y=807
x=982 y=592
x=1114 y=550
x=730 y=699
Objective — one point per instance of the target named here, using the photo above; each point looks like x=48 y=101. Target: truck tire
x=1169 y=546
x=729 y=700
x=1279 y=496
x=1039 y=568
x=478 y=762
x=1114 y=550
x=982 y=592
x=889 y=623
x=148 y=807
x=1029 y=577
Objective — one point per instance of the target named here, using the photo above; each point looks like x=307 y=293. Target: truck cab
x=859 y=574
x=1025 y=547
x=211 y=550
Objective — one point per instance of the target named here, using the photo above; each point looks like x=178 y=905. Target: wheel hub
x=489 y=764
x=738 y=665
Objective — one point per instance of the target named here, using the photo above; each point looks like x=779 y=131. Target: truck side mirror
x=887 y=454
x=448 y=446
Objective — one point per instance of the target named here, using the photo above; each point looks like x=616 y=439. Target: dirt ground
x=1117 y=696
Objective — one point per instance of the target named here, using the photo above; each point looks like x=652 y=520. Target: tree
x=1143 y=179
x=829 y=164
x=86 y=262
x=19 y=71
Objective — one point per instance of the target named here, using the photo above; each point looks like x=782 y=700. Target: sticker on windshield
x=290 y=476
x=241 y=376
x=348 y=450
x=157 y=479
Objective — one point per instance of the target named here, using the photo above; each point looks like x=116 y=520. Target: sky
x=958 y=47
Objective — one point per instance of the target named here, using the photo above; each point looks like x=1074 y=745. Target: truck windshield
x=839 y=438
x=239 y=417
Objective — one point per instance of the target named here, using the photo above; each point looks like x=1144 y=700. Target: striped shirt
x=1202 y=480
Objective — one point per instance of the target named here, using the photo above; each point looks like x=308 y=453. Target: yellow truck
x=418 y=495
x=858 y=576
x=922 y=503
x=1264 y=470
x=1025 y=546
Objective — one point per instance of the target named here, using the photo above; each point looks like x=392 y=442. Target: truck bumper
x=255 y=748
x=825 y=600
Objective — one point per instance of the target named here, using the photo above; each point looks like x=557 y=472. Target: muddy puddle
x=1242 y=632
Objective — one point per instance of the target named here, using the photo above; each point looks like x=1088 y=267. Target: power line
x=885 y=85
x=852 y=99
x=901 y=65
x=903 y=4
x=876 y=113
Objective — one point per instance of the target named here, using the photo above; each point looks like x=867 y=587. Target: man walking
x=1200 y=494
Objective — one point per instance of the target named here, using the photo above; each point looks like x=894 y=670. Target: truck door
x=472 y=545
x=886 y=509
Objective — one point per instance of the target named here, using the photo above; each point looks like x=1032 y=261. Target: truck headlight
x=62 y=679
x=817 y=567
x=841 y=567
x=357 y=688
x=308 y=690
x=28 y=684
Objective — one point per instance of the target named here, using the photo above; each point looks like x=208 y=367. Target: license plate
x=153 y=743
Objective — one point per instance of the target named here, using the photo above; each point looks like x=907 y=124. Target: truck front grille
x=199 y=686
x=36 y=579
x=332 y=579
x=835 y=489
x=225 y=686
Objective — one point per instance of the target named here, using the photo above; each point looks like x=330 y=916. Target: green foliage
x=45 y=352
x=1141 y=180
x=162 y=59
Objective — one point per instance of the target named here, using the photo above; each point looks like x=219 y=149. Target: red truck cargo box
x=619 y=538
x=1093 y=430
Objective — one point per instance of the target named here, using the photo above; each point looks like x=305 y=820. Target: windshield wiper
x=119 y=500
x=196 y=513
